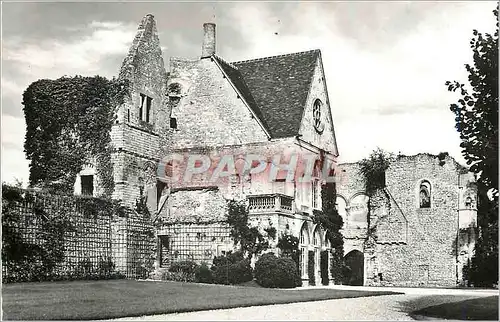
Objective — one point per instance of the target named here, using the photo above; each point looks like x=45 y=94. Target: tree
x=476 y=117
x=476 y=113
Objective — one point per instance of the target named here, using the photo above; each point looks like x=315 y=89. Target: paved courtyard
x=387 y=307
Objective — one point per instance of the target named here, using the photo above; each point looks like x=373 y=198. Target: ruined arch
x=341 y=204
x=357 y=210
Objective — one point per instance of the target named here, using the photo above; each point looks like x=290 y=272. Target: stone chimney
x=208 y=48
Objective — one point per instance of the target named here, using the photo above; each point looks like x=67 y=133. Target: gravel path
x=386 y=307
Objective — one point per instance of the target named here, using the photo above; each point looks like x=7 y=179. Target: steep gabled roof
x=236 y=78
x=276 y=88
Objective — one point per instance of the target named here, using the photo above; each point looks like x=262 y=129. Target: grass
x=453 y=307
x=92 y=300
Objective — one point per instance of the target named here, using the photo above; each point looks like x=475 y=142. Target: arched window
x=317 y=238
x=425 y=194
x=304 y=236
x=468 y=203
x=303 y=240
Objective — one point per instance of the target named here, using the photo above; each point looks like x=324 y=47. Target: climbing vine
x=373 y=170
x=329 y=220
x=68 y=124
x=250 y=239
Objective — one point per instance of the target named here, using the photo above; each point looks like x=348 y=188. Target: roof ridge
x=276 y=56
x=225 y=61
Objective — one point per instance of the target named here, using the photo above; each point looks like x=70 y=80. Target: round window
x=318 y=124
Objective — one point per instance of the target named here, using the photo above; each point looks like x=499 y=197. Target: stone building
x=418 y=231
x=271 y=106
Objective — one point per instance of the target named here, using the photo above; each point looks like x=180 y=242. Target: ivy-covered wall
x=54 y=237
x=68 y=124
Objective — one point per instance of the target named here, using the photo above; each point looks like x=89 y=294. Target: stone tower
x=135 y=134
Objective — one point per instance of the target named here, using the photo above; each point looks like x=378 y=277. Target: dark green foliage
x=325 y=280
x=251 y=241
x=330 y=221
x=483 y=268
x=476 y=114
x=311 y=268
x=476 y=118
x=232 y=268
x=276 y=272
x=185 y=269
x=373 y=170
x=203 y=274
x=289 y=246
x=271 y=232
x=68 y=121
x=41 y=261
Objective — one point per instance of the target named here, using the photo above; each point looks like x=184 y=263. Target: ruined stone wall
x=412 y=246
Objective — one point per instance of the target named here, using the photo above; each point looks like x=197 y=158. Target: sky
x=385 y=63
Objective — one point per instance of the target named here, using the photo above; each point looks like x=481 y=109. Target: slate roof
x=275 y=87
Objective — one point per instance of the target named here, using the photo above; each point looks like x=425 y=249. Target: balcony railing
x=270 y=203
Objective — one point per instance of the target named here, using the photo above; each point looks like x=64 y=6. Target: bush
x=203 y=274
x=274 y=272
x=231 y=269
x=183 y=271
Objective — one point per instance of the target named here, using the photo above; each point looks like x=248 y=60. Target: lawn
x=485 y=308
x=92 y=300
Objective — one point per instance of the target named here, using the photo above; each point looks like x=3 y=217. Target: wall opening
x=87 y=185
x=355 y=260
x=425 y=194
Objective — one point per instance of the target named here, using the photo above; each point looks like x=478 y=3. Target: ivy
x=43 y=258
x=330 y=221
x=373 y=170
x=250 y=239
x=311 y=268
x=68 y=124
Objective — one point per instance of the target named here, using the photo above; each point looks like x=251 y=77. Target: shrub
x=203 y=274
x=311 y=268
x=232 y=268
x=274 y=272
x=183 y=270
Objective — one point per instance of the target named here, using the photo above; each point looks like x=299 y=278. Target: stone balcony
x=270 y=203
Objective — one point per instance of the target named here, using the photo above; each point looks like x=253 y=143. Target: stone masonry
x=276 y=106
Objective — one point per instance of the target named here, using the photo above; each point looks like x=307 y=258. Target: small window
x=164 y=250
x=149 y=102
x=314 y=192
x=468 y=203
x=128 y=115
x=87 y=185
x=425 y=194
x=141 y=108
x=173 y=123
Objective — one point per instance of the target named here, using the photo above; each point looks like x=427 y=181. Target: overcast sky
x=385 y=62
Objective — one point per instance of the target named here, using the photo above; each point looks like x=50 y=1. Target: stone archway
x=355 y=261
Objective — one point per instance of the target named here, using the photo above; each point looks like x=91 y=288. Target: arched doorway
x=355 y=261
